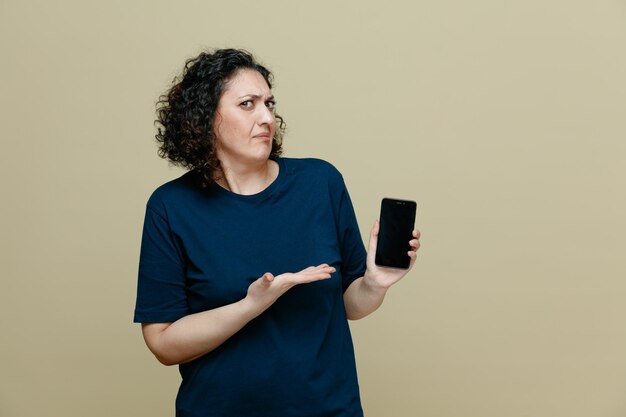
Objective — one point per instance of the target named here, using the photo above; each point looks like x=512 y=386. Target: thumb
x=267 y=278
x=374 y=237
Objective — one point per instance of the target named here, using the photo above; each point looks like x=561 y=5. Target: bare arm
x=362 y=298
x=197 y=334
x=367 y=293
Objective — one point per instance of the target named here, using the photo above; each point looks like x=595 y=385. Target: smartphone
x=397 y=220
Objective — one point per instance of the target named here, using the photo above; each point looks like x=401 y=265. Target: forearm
x=363 y=297
x=197 y=334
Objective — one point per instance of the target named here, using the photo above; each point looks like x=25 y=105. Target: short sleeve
x=353 y=254
x=161 y=295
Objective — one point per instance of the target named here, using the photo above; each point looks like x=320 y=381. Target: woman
x=251 y=263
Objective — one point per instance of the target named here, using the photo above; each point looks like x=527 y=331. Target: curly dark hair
x=185 y=114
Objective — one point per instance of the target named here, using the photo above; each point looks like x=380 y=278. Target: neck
x=247 y=180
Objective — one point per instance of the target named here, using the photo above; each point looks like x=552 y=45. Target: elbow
x=354 y=314
x=154 y=336
x=164 y=359
x=166 y=355
x=354 y=317
x=169 y=360
x=161 y=355
x=169 y=356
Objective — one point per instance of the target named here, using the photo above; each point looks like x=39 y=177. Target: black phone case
x=397 y=221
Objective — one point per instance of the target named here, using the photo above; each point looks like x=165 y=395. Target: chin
x=266 y=151
x=253 y=155
x=261 y=155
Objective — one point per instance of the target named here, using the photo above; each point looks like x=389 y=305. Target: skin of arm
x=197 y=334
x=367 y=293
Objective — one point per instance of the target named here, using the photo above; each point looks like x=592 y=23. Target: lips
x=265 y=135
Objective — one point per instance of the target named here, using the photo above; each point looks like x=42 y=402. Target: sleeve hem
x=348 y=281
x=158 y=317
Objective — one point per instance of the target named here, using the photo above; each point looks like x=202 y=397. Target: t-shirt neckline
x=261 y=194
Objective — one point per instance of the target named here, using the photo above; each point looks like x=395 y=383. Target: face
x=244 y=121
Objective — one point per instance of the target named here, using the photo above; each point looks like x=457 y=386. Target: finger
x=417 y=234
x=318 y=268
x=374 y=237
x=415 y=244
x=327 y=270
x=304 y=278
x=267 y=278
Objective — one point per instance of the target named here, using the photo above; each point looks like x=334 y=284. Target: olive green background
x=506 y=121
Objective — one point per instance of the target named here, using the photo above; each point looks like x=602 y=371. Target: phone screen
x=397 y=219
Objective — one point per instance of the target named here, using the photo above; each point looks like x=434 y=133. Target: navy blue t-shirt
x=201 y=249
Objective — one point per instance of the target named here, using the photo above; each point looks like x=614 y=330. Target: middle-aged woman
x=251 y=263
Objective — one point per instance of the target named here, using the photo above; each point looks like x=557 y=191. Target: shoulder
x=311 y=166
x=173 y=193
x=312 y=175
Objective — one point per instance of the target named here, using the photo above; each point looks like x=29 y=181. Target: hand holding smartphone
x=397 y=220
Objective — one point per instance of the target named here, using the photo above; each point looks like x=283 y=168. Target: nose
x=266 y=116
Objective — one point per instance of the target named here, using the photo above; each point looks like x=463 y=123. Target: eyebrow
x=255 y=96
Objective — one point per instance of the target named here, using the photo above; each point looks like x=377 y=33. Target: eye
x=270 y=104
x=246 y=104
